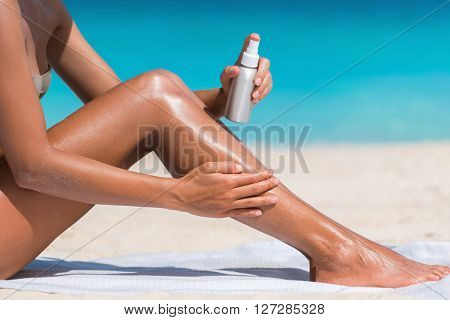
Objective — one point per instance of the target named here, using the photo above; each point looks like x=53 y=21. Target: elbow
x=25 y=177
x=26 y=174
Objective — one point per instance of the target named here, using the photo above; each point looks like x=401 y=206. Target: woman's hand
x=221 y=190
x=263 y=78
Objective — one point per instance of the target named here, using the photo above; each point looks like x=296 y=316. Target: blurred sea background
x=400 y=93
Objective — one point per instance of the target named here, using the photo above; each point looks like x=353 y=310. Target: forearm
x=73 y=177
x=215 y=101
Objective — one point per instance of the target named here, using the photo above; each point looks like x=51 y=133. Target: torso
x=40 y=21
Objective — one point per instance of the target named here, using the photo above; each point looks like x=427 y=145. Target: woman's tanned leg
x=113 y=129
x=336 y=254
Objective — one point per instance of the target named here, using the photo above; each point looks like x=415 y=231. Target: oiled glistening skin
x=52 y=177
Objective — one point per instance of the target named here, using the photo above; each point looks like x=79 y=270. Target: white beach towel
x=269 y=266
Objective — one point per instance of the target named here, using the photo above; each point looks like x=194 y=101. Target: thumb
x=230 y=72
x=253 y=36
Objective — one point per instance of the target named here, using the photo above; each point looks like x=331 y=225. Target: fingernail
x=258 y=81
x=255 y=94
x=239 y=167
x=258 y=213
x=273 y=200
x=276 y=181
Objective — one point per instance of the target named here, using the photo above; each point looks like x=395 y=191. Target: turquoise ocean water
x=401 y=93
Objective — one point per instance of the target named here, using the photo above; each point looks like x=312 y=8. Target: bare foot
x=371 y=265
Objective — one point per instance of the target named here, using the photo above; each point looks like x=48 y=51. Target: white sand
x=393 y=193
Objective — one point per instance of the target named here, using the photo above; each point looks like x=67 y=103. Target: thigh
x=106 y=130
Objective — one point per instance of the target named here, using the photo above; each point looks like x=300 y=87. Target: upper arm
x=23 y=133
x=87 y=74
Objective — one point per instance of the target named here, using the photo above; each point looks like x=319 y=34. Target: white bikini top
x=42 y=82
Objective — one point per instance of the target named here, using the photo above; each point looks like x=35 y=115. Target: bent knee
x=165 y=91
x=156 y=82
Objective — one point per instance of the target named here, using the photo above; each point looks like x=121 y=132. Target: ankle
x=336 y=254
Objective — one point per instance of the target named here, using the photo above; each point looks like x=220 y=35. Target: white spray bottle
x=239 y=103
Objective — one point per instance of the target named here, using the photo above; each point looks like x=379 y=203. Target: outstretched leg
x=336 y=254
x=166 y=110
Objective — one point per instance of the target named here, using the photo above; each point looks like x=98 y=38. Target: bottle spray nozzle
x=250 y=56
x=252 y=47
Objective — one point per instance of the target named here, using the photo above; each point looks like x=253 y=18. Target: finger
x=230 y=72
x=221 y=167
x=256 y=202
x=264 y=94
x=254 y=189
x=258 y=92
x=244 y=179
x=263 y=69
x=244 y=213
x=253 y=36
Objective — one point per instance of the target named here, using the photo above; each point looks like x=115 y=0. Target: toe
x=435 y=276
x=445 y=270
x=442 y=270
x=432 y=274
